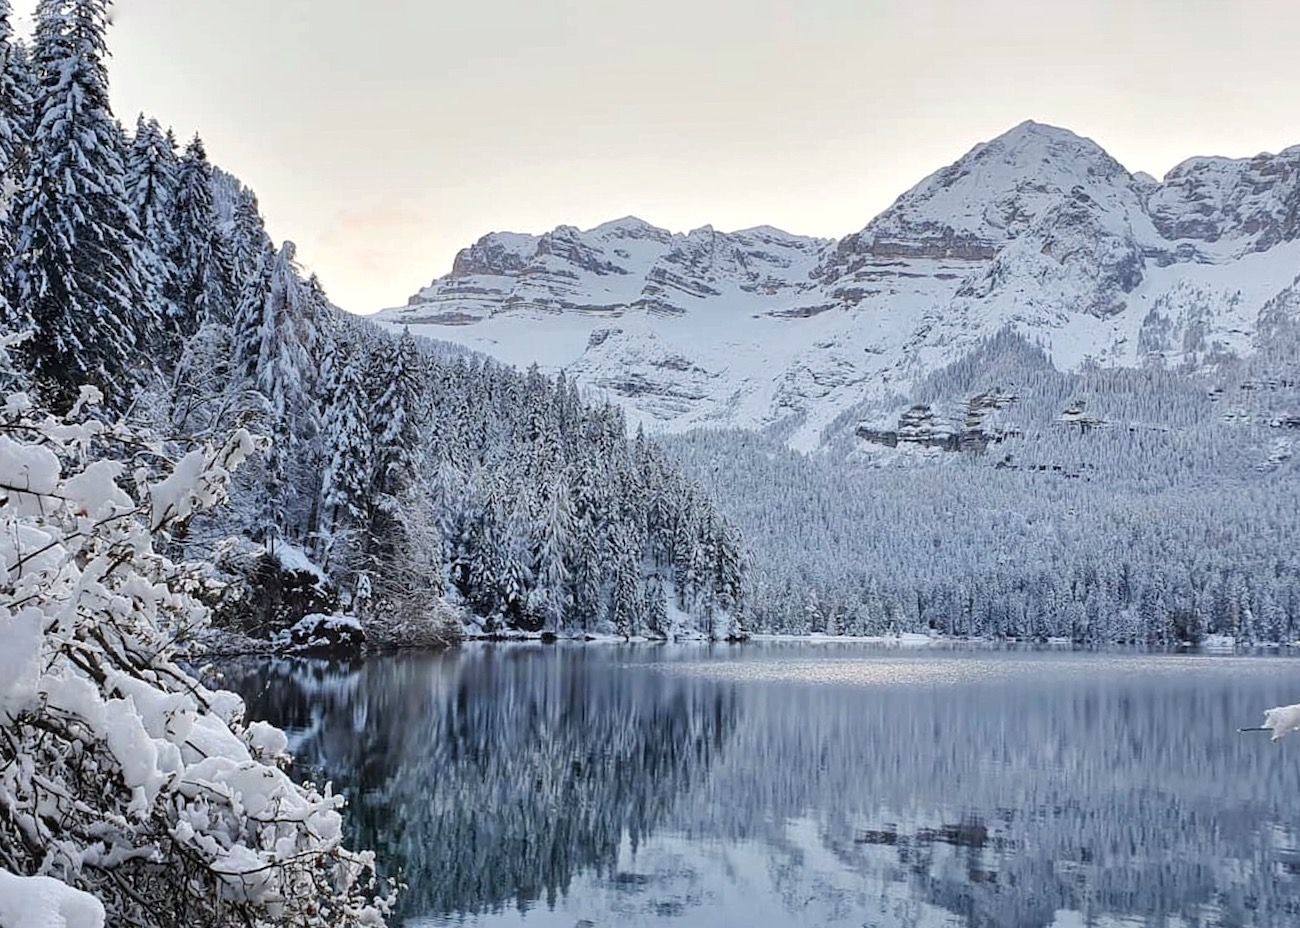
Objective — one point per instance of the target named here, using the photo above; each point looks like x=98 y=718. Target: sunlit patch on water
x=956 y=669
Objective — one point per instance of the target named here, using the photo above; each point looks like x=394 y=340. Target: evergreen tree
x=347 y=438
x=628 y=600
x=249 y=316
x=396 y=416
x=281 y=373
x=656 y=608
x=248 y=238
x=151 y=191
x=77 y=261
x=551 y=597
x=203 y=276
x=15 y=118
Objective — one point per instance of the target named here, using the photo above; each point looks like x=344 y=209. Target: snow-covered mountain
x=1038 y=230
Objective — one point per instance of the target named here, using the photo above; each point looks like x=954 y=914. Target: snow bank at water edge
x=1219 y=644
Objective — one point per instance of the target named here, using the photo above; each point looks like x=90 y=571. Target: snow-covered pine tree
x=514 y=573
x=586 y=573
x=395 y=378
x=627 y=599
x=348 y=440
x=77 y=252
x=248 y=238
x=203 y=273
x=479 y=567
x=656 y=608
x=15 y=117
x=282 y=373
x=246 y=329
x=151 y=191
x=550 y=599
x=728 y=570
x=395 y=416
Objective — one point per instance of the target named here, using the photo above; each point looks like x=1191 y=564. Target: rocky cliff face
x=1039 y=230
x=1248 y=204
x=963 y=427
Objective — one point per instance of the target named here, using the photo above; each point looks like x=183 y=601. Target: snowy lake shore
x=215 y=643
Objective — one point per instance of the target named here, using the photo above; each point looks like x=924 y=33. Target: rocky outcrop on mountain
x=1077 y=249
x=619 y=266
x=1039 y=231
x=964 y=429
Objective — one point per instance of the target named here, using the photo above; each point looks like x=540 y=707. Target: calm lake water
x=807 y=785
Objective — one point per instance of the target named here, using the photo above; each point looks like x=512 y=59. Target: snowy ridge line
x=1039 y=229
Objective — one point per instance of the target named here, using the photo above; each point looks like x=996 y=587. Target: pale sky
x=383 y=136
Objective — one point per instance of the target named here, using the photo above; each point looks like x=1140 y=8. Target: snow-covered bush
x=120 y=775
x=322 y=634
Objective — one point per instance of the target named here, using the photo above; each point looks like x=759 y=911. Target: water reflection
x=773 y=785
x=496 y=775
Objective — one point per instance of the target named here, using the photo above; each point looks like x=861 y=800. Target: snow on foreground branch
x=121 y=777
x=1281 y=721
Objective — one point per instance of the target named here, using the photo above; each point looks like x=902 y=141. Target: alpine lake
x=805 y=784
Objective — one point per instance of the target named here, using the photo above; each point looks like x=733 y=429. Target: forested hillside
x=189 y=430
x=397 y=472
x=1009 y=499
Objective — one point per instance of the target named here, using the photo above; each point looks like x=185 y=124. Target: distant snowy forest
x=1008 y=499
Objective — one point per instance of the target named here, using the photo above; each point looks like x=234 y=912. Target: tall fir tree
x=248 y=323
x=628 y=599
x=77 y=256
x=151 y=190
x=282 y=374
x=550 y=558
x=15 y=119
x=203 y=274
x=347 y=437
x=395 y=416
x=248 y=238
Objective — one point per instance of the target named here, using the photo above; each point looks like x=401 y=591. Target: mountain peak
x=633 y=226
x=1037 y=228
x=1033 y=129
x=994 y=191
x=1031 y=146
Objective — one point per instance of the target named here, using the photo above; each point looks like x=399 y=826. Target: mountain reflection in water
x=806 y=785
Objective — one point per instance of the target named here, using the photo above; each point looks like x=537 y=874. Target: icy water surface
x=808 y=785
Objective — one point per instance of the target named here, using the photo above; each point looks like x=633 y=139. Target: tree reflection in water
x=702 y=787
x=494 y=775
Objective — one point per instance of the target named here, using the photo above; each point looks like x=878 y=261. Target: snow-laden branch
x=128 y=791
x=1281 y=721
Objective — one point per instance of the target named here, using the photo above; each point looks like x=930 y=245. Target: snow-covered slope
x=1039 y=230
